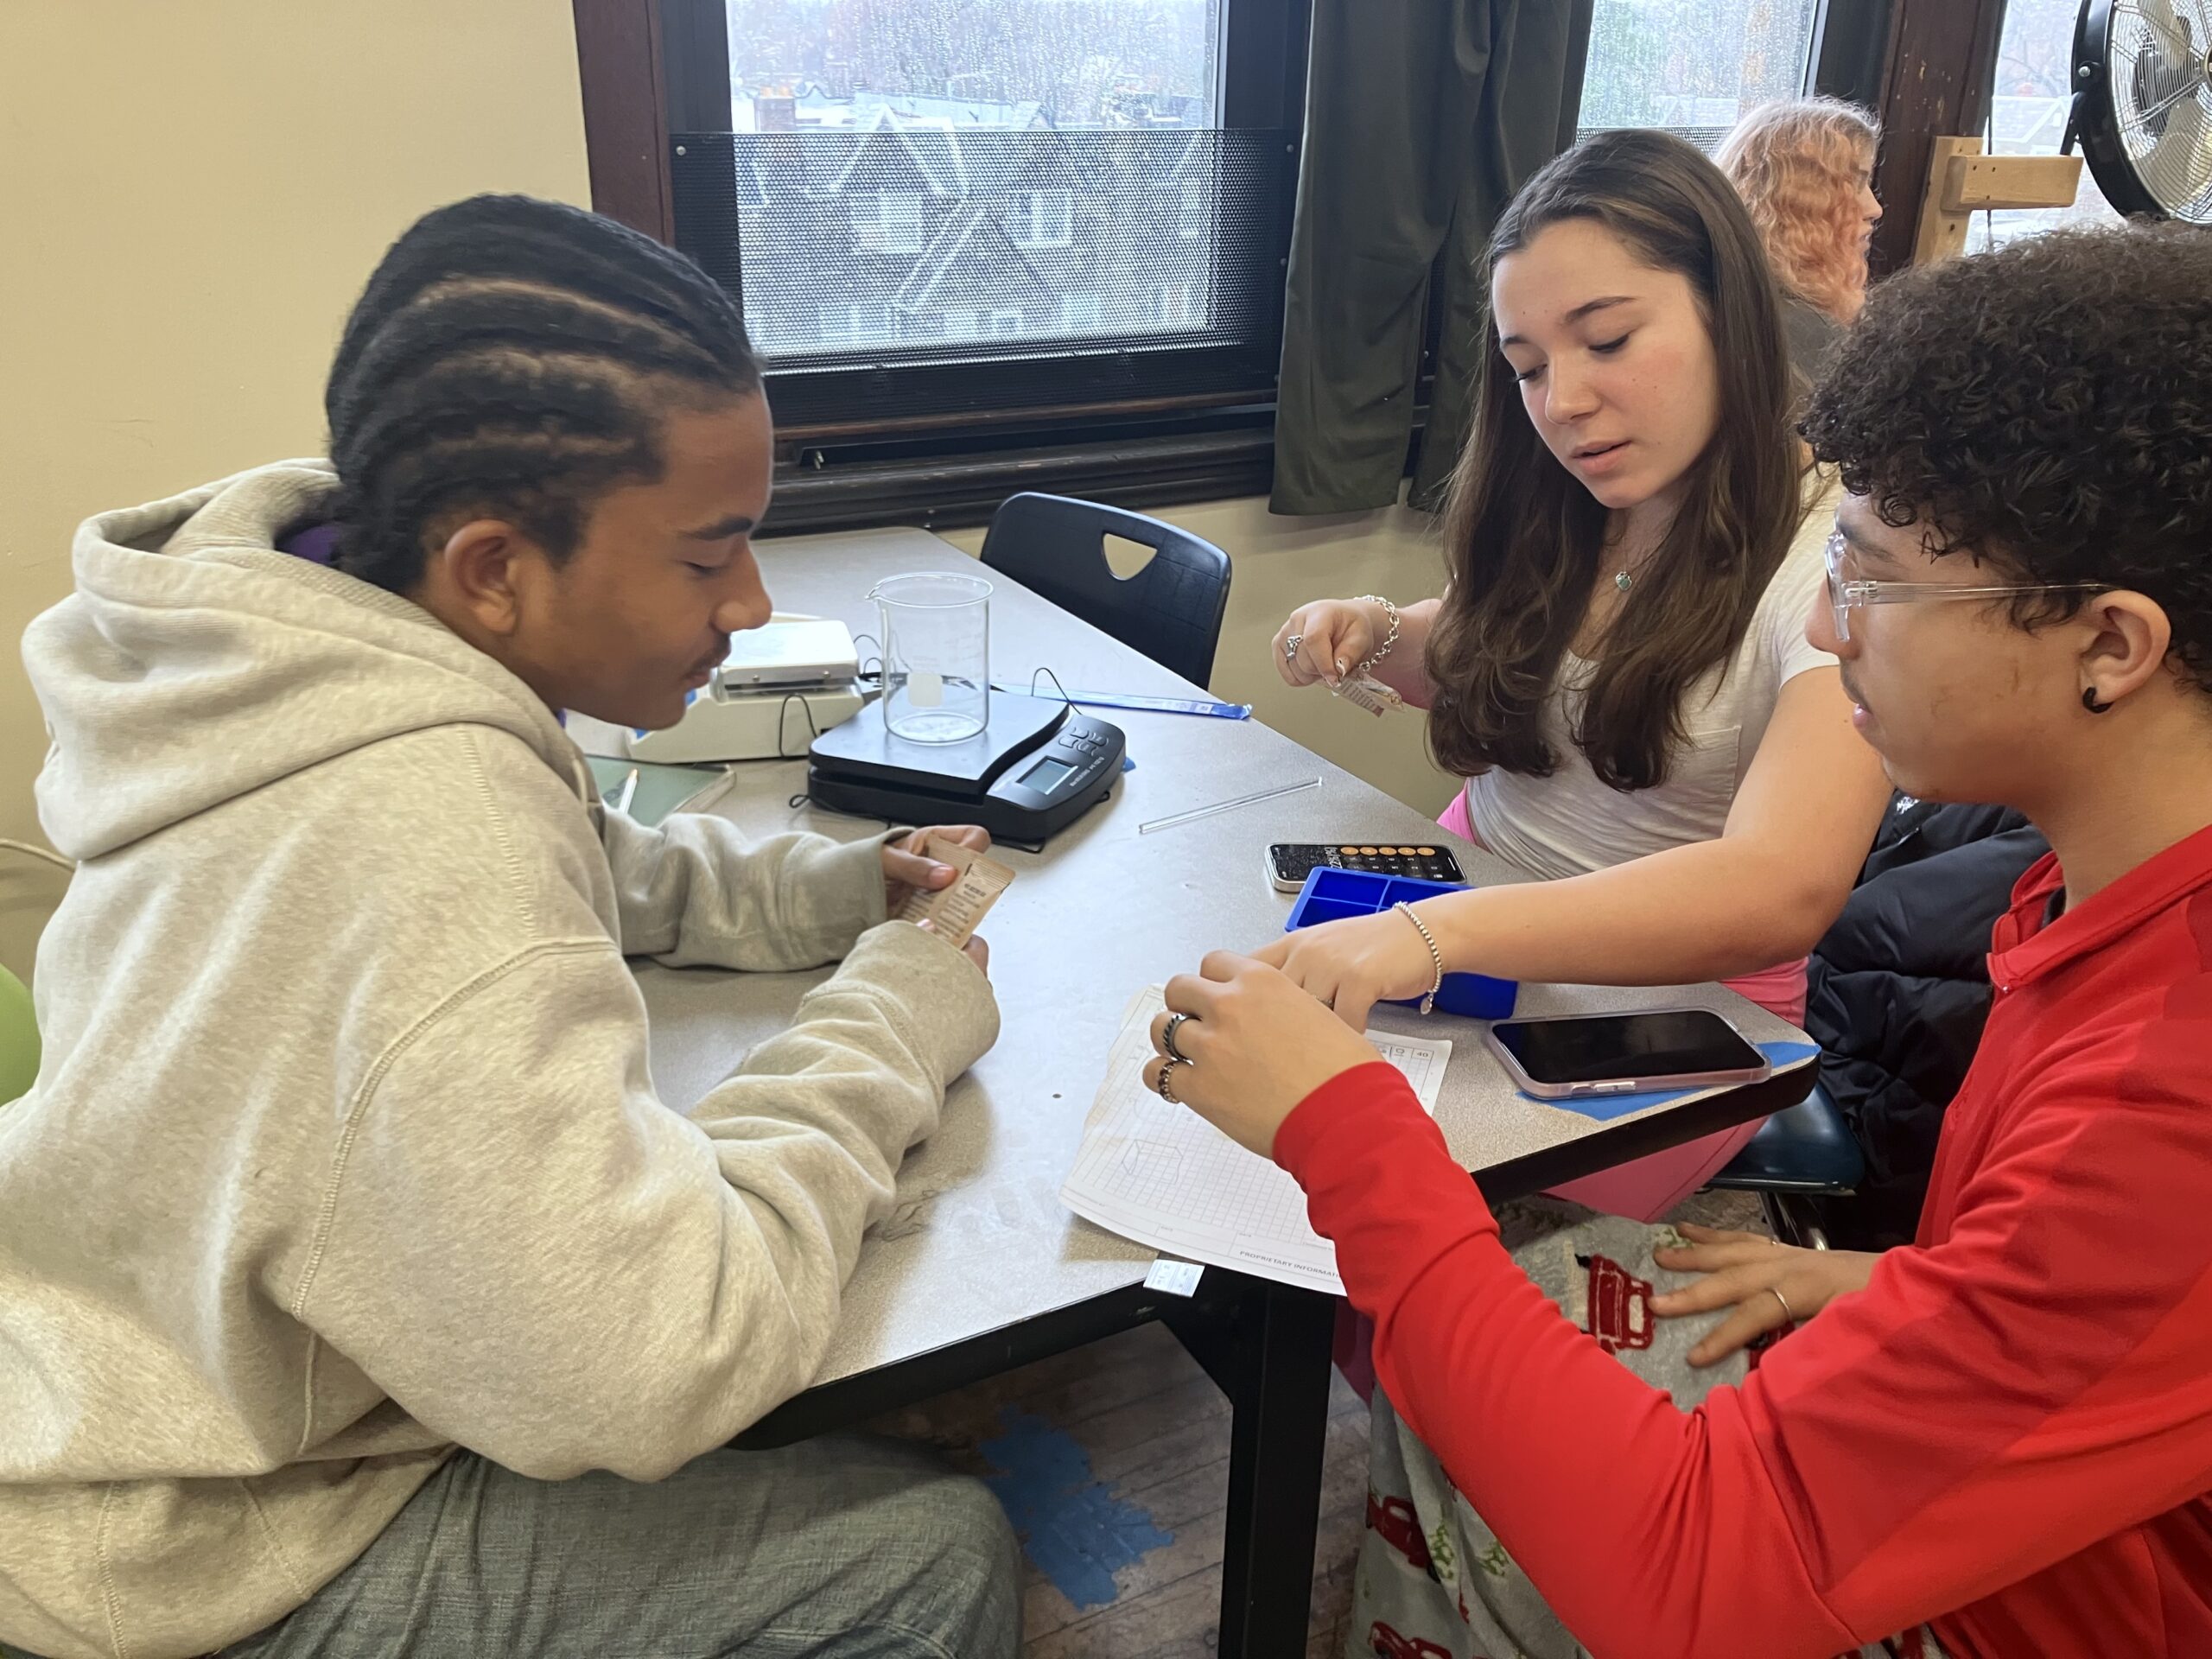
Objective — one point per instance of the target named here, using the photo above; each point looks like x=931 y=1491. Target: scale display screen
x=1047 y=775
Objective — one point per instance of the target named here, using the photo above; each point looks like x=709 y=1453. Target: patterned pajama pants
x=1433 y=1581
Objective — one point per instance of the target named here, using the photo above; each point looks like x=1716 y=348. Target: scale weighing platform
x=1037 y=768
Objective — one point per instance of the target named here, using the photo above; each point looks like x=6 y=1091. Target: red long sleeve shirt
x=2007 y=1435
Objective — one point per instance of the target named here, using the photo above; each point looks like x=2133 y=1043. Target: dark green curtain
x=1422 y=118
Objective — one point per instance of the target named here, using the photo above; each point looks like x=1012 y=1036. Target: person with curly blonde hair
x=1804 y=167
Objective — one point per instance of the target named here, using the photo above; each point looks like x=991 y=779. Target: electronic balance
x=1035 y=768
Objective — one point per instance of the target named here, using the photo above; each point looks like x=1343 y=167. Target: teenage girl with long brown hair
x=1618 y=666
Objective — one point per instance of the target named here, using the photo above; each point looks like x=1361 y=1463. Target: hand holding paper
x=954 y=909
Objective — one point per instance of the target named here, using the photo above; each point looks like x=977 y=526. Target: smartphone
x=1580 y=1055
x=1289 y=863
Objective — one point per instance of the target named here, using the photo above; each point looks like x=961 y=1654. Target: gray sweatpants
x=844 y=1548
x=1433 y=1581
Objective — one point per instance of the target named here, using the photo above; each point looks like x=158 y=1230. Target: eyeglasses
x=1847 y=593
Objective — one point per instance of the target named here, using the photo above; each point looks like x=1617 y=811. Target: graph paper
x=1162 y=1175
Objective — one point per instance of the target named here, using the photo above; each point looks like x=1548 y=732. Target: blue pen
x=1131 y=700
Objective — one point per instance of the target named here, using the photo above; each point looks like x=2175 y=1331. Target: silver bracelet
x=1428 y=1003
x=1389 y=640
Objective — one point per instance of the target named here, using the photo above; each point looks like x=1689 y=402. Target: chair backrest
x=1171 y=610
x=18 y=1039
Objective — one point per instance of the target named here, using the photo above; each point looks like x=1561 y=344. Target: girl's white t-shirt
x=1570 y=823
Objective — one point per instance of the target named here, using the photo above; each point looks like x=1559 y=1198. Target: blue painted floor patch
x=1076 y=1531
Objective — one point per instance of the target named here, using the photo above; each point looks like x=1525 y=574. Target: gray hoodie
x=344 y=1151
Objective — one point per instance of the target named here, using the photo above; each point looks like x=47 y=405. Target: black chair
x=1171 y=610
x=1807 y=1151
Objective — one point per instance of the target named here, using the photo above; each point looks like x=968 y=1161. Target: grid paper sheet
x=1162 y=1175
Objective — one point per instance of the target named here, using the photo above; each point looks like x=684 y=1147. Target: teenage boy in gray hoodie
x=352 y=1279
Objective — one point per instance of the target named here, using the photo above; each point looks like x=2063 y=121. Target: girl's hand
x=1352 y=965
x=1333 y=637
x=907 y=864
x=1748 y=1269
x=1257 y=1045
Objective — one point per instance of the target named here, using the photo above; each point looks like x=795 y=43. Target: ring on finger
x=1166 y=1070
x=1771 y=1290
x=1167 y=1038
x=1290 y=645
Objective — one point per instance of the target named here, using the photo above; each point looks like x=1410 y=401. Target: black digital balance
x=1036 y=768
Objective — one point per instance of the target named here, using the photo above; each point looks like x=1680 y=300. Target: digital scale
x=1037 y=768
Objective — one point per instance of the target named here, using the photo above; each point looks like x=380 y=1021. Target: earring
x=2090 y=702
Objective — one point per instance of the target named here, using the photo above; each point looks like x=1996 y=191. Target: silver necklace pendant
x=1622 y=581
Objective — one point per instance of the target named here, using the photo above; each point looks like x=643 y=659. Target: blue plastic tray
x=1333 y=896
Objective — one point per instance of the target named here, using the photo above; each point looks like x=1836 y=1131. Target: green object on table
x=661 y=789
x=18 y=1039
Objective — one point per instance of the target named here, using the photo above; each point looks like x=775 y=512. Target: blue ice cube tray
x=1331 y=895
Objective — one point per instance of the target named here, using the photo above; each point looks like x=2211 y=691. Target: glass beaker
x=937 y=655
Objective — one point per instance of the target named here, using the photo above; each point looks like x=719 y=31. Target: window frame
x=1934 y=78
x=654 y=68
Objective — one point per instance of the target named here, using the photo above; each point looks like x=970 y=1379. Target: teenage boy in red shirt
x=1998 y=1440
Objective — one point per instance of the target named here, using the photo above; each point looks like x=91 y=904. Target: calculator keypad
x=1421 y=863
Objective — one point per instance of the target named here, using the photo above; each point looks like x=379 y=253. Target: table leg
x=1281 y=1403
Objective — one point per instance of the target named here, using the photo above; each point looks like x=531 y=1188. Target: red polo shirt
x=2008 y=1434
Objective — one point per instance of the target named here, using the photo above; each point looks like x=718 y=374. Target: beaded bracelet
x=1429 y=1001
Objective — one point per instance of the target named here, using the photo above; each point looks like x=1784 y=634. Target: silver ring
x=1770 y=1291
x=1166 y=1070
x=1167 y=1038
x=1290 y=645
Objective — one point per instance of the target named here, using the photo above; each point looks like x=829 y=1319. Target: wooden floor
x=1132 y=1440
x=1155 y=1431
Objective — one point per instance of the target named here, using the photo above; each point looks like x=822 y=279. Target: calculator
x=1289 y=864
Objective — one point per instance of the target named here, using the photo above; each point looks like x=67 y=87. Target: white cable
x=38 y=852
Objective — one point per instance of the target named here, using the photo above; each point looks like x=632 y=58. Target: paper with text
x=955 y=911
x=1162 y=1175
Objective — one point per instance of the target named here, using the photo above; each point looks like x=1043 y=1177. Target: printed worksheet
x=1162 y=1175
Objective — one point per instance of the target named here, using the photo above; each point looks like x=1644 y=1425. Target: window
x=1047 y=219
x=886 y=224
x=1192 y=224
x=852 y=325
x=2027 y=117
x=1693 y=66
x=991 y=196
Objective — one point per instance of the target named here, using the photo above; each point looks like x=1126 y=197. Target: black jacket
x=1898 y=990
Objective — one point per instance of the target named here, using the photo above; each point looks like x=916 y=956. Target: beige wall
x=1277 y=564
x=193 y=195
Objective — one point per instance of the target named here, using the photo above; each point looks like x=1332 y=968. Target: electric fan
x=2143 y=104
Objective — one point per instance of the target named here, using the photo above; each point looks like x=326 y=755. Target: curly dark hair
x=2045 y=409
